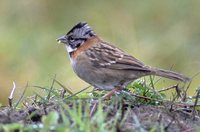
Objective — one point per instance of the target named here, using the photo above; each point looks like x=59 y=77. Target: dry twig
x=10 y=98
x=168 y=88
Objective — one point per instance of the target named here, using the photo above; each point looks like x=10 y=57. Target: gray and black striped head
x=76 y=36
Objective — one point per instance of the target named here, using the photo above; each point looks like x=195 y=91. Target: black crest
x=78 y=26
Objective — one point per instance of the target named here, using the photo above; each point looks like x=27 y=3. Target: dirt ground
x=171 y=118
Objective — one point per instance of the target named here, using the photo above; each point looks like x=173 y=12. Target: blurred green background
x=160 y=33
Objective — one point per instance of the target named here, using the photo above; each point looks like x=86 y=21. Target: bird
x=103 y=65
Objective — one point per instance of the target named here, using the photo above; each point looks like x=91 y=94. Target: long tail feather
x=171 y=75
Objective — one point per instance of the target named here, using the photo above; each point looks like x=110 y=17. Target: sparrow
x=103 y=65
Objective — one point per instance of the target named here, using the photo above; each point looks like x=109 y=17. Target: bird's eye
x=71 y=39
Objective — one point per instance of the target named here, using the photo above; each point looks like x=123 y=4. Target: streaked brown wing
x=108 y=56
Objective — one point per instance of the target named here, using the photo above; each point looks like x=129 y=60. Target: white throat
x=69 y=49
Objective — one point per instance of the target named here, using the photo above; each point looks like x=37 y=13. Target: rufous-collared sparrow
x=103 y=65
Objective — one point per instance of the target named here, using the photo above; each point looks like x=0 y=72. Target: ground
x=126 y=111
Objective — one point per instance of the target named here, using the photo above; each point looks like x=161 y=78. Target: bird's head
x=80 y=33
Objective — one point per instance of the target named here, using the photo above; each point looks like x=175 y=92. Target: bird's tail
x=171 y=75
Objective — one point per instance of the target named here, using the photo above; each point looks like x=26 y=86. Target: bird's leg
x=107 y=96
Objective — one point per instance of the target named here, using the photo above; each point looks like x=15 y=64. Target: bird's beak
x=62 y=39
